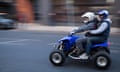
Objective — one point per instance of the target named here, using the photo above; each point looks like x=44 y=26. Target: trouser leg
x=80 y=43
x=90 y=41
x=88 y=46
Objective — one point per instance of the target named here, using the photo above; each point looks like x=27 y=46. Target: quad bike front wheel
x=57 y=57
x=102 y=60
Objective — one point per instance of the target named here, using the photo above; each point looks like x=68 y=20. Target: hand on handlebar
x=87 y=33
x=71 y=33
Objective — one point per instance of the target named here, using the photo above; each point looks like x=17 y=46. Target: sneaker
x=75 y=55
x=84 y=56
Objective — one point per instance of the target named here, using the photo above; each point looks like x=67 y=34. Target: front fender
x=68 y=42
x=71 y=39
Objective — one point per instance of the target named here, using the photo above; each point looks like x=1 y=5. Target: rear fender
x=100 y=48
x=105 y=44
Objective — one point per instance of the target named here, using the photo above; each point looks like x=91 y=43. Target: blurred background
x=30 y=28
x=57 y=12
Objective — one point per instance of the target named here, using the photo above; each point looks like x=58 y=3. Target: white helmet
x=90 y=15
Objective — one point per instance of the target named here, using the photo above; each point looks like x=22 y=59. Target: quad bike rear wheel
x=102 y=60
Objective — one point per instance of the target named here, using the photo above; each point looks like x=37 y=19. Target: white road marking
x=51 y=43
x=112 y=43
x=19 y=39
x=115 y=51
x=14 y=41
x=14 y=44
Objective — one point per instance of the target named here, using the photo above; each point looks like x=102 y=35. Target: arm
x=85 y=27
x=101 y=28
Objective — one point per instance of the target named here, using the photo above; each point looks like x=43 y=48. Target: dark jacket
x=88 y=26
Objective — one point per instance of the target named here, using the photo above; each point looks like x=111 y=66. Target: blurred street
x=41 y=27
x=29 y=28
x=28 y=51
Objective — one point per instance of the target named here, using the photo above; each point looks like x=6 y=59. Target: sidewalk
x=38 y=27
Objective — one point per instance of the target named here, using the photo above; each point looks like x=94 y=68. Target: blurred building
x=66 y=12
x=24 y=10
x=70 y=10
x=7 y=6
x=57 y=12
x=17 y=8
x=117 y=14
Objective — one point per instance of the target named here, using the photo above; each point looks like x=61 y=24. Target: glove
x=87 y=34
x=71 y=33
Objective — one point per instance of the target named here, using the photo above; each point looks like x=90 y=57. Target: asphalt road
x=28 y=51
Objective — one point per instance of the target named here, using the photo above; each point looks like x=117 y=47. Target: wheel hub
x=102 y=61
x=56 y=58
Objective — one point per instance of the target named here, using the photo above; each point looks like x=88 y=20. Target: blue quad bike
x=65 y=47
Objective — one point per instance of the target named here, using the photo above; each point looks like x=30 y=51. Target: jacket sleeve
x=85 y=28
x=100 y=29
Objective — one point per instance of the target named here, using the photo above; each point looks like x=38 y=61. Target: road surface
x=28 y=51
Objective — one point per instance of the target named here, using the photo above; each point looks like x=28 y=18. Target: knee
x=78 y=41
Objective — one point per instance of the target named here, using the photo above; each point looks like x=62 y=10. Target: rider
x=98 y=34
x=89 y=23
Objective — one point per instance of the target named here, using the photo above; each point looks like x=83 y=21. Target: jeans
x=87 y=42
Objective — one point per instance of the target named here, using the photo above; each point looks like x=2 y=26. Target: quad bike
x=65 y=47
